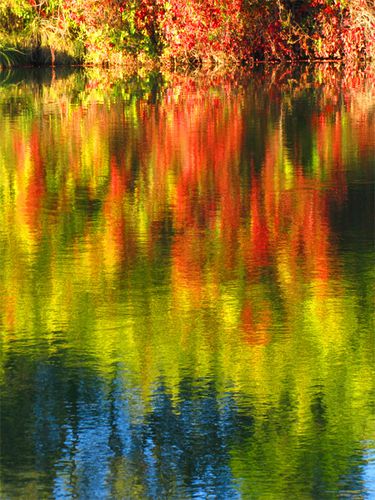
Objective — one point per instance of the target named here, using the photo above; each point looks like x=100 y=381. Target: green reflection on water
x=187 y=272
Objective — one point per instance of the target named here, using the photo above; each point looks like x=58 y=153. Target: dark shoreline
x=158 y=66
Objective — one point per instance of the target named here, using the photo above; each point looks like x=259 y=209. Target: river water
x=186 y=284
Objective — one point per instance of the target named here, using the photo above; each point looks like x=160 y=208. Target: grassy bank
x=187 y=34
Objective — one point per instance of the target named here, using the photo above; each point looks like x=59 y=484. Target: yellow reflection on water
x=193 y=236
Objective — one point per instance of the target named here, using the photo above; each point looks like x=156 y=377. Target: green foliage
x=8 y=56
x=14 y=19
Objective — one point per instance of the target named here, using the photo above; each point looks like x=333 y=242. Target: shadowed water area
x=186 y=283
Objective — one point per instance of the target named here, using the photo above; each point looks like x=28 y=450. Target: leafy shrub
x=189 y=33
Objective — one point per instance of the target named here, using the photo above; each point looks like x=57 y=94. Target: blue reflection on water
x=83 y=430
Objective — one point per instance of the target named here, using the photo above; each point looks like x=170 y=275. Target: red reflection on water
x=234 y=197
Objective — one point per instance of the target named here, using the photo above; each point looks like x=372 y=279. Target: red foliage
x=215 y=32
x=204 y=32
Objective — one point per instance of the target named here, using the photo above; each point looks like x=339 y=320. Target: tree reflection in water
x=186 y=283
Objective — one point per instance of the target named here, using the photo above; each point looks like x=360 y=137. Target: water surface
x=186 y=285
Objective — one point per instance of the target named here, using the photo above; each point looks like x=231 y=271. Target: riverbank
x=177 y=34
